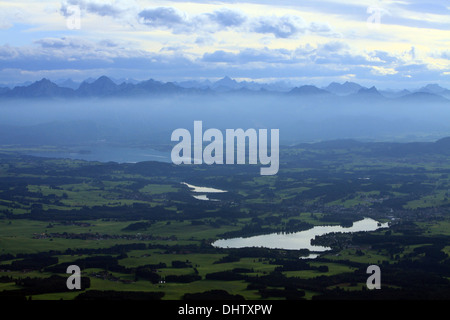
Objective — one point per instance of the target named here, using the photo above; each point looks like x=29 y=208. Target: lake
x=203 y=197
x=202 y=189
x=105 y=153
x=298 y=240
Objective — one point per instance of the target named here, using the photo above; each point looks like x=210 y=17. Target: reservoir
x=298 y=240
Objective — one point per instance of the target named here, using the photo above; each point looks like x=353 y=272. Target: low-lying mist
x=150 y=121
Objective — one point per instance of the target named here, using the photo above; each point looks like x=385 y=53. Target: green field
x=135 y=228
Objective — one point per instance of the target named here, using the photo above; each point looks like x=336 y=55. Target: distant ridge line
x=106 y=87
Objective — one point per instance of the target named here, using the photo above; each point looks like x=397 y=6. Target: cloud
x=334 y=55
x=179 y=22
x=166 y=17
x=71 y=53
x=333 y=47
x=425 y=6
x=64 y=43
x=319 y=27
x=280 y=27
x=287 y=26
x=445 y=55
x=10 y=15
x=307 y=64
x=227 y=18
x=331 y=53
x=99 y=8
x=4 y=23
x=317 y=61
x=7 y=52
x=103 y=9
x=220 y=56
x=207 y=40
x=39 y=60
x=383 y=57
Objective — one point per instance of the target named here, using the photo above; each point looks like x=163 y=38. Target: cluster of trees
x=105 y=262
x=184 y=278
x=138 y=226
x=225 y=276
x=147 y=273
x=32 y=262
x=296 y=265
x=33 y=286
x=110 y=295
x=212 y=295
x=289 y=293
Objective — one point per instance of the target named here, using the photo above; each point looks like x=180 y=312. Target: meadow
x=137 y=228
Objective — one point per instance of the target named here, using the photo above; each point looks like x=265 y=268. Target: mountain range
x=107 y=87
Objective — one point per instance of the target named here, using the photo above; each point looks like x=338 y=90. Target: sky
x=388 y=44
